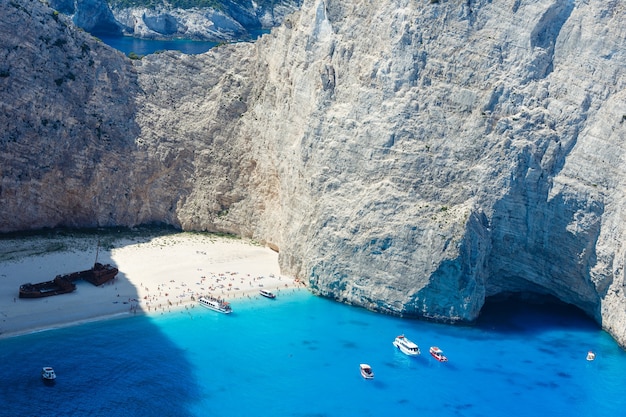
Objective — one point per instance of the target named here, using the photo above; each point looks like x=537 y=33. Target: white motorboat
x=215 y=304
x=266 y=293
x=366 y=371
x=48 y=374
x=406 y=346
x=591 y=356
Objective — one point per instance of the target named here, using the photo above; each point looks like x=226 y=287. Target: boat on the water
x=63 y=284
x=366 y=371
x=215 y=304
x=591 y=356
x=438 y=354
x=268 y=294
x=48 y=374
x=406 y=346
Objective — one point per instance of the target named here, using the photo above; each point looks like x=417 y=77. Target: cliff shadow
x=104 y=366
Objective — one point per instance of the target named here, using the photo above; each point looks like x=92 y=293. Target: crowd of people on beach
x=180 y=294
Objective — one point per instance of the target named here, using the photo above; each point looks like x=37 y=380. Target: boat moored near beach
x=591 y=356
x=48 y=374
x=438 y=354
x=267 y=294
x=406 y=346
x=215 y=304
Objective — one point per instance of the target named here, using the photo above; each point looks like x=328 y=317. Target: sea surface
x=299 y=355
x=128 y=44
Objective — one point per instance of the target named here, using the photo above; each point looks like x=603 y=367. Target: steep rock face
x=452 y=151
x=435 y=154
x=229 y=21
x=452 y=155
x=68 y=154
x=94 y=16
x=234 y=20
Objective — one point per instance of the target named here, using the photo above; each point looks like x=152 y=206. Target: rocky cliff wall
x=452 y=151
x=226 y=22
x=232 y=21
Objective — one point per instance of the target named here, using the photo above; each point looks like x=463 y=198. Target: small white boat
x=366 y=371
x=438 y=354
x=266 y=293
x=406 y=346
x=48 y=374
x=591 y=356
x=215 y=304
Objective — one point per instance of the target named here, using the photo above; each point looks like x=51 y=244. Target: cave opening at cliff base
x=531 y=313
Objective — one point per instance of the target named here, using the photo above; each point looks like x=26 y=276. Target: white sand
x=156 y=276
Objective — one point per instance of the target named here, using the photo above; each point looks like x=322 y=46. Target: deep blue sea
x=299 y=355
x=128 y=44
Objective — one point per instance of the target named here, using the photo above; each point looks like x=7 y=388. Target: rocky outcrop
x=227 y=21
x=209 y=24
x=451 y=152
x=94 y=16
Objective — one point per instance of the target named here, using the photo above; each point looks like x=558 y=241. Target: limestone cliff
x=409 y=157
x=224 y=21
x=228 y=21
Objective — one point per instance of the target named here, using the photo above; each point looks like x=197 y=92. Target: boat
x=99 y=274
x=63 y=284
x=591 y=356
x=268 y=294
x=215 y=304
x=47 y=373
x=366 y=371
x=59 y=285
x=406 y=346
x=438 y=354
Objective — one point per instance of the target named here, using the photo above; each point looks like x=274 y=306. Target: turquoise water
x=299 y=355
x=128 y=44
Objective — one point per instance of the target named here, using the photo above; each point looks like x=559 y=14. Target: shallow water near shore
x=299 y=355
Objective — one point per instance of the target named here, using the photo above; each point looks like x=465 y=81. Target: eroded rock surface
x=409 y=157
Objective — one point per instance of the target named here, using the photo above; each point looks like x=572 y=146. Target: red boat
x=438 y=354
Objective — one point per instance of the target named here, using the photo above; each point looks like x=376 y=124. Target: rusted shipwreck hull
x=58 y=285
x=63 y=284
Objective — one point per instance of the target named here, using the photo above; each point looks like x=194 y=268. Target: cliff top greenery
x=183 y=4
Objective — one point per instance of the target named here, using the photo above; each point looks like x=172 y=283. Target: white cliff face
x=409 y=157
x=204 y=24
x=229 y=21
x=450 y=152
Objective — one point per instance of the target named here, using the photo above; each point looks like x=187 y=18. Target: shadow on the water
x=113 y=367
x=517 y=316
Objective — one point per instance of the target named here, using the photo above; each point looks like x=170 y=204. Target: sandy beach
x=156 y=275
